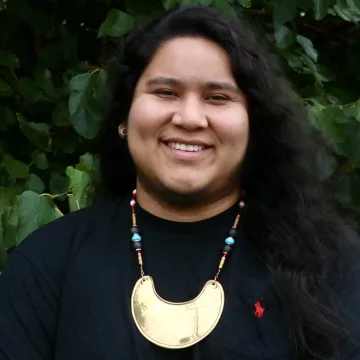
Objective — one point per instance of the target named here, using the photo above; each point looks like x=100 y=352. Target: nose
x=190 y=114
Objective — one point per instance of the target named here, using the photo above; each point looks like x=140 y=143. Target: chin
x=186 y=194
x=185 y=187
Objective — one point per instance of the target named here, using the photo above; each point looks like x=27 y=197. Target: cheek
x=233 y=129
x=147 y=115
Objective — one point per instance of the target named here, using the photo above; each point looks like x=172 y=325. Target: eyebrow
x=213 y=85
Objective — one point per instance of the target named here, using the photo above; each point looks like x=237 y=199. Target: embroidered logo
x=259 y=309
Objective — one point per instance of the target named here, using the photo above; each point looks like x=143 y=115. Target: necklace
x=177 y=325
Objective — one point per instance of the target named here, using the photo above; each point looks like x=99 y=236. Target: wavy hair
x=288 y=220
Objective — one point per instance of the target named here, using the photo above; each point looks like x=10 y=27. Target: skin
x=188 y=94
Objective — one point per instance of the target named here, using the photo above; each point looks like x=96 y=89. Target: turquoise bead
x=230 y=241
x=136 y=237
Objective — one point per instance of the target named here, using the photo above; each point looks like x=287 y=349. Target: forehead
x=190 y=58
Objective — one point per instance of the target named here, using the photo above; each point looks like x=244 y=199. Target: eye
x=165 y=93
x=218 y=98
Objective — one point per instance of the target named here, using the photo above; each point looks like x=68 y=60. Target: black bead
x=232 y=233
x=137 y=245
x=227 y=248
x=134 y=230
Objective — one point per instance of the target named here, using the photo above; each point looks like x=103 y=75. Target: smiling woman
x=215 y=240
x=187 y=96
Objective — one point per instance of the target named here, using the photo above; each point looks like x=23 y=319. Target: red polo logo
x=259 y=309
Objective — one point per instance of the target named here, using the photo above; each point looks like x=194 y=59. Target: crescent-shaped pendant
x=176 y=325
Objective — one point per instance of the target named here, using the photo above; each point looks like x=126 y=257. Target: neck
x=152 y=204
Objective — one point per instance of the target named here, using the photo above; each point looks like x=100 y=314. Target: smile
x=185 y=147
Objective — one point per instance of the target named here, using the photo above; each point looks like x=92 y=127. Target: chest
x=96 y=322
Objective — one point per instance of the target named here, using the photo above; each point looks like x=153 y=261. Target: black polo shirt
x=65 y=293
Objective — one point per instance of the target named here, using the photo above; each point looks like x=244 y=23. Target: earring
x=123 y=132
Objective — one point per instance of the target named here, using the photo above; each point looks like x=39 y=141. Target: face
x=188 y=125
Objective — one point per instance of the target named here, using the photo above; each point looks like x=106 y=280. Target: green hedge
x=53 y=90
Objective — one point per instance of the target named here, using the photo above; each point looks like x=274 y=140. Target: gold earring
x=123 y=132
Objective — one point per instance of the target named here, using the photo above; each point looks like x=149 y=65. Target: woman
x=225 y=250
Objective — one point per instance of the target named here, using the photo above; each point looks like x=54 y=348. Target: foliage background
x=53 y=93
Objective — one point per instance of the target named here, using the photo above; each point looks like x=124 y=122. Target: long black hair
x=298 y=236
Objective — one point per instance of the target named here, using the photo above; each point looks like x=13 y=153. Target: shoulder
x=70 y=225
x=50 y=246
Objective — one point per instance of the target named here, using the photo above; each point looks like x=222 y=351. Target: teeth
x=185 y=147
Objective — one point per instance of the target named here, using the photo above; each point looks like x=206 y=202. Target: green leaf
x=82 y=189
x=347 y=191
x=3 y=255
x=308 y=47
x=354 y=5
x=2 y=201
x=346 y=14
x=85 y=124
x=9 y=229
x=86 y=103
x=61 y=115
x=168 y=4
x=245 y=3
x=9 y=217
x=284 y=11
x=59 y=184
x=350 y=146
x=193 y=2
x=102 y=93
x=327 y=164
x=5 y=89
x=91 y=165
x=357 y=111
x=80 y=87
x=33 y=211
x=8 y=59
x=321 y=8
x=43 y=79
x=330 y=121
x=34 y=183
x=37 y=133
x=117 y=23
x=12 y=191
x=40 y=160
x=320 y=73
x=29 y=90
x=15 y=168
x=2 y=210
x=284 y=37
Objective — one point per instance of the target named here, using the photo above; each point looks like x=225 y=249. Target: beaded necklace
x=177 y=325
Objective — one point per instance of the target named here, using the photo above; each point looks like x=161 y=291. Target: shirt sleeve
x=28 y=312
x=354 y=356
x=349 y=348
x=30 y=292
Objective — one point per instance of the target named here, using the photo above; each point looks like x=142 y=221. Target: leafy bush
x=53 y=94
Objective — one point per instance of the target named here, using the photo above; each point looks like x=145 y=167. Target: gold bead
x=222 y=262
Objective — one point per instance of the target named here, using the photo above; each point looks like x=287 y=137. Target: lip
x=186 y=142
x=185 y=155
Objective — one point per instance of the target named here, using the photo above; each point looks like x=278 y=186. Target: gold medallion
x=176 y=325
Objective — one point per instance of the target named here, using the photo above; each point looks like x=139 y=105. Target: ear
x=122 y=130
